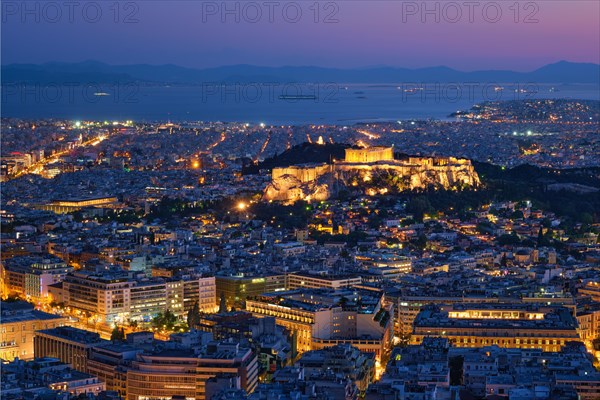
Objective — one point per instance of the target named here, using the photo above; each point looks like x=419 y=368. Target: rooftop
x=511 y=316
x=73 y=334
x=21 y=311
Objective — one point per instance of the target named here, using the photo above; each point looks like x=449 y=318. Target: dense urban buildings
x=300 y=200
x=150 y=261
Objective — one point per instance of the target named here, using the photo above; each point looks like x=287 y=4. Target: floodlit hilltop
x=373 y=168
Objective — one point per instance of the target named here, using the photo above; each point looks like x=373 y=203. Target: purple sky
x=366 y=33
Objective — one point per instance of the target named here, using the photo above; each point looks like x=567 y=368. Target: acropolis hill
x=375 y=169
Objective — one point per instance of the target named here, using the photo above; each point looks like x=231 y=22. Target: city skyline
x=300 y=200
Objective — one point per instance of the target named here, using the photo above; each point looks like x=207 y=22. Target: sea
x=270 y=103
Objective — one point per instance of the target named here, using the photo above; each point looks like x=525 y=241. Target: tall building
x=147 y=297
x=340 y=361
x=103 y=295
x=202 y=290
x=270 y=341
x=70 y=345
x=408 y=306
x=522 y=326
x=409 y=303
x=425 y=364
x=385 y=265
x=591 y=289
x=299 y=280
x=18 y=325
x=118 y=297
x=168 y=373
x=108 y=362
x=30 y=276
x=237 y=288
x=322 y=318
x=588 y=319
x=182 y=293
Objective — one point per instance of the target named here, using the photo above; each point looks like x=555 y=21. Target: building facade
x=18 y=326
x=169 y=373
x=300 y=280
x=521 y=326
x=121 y=297
x=322 y=318
x=30 y=277
x=238 y=288
x=70 y=345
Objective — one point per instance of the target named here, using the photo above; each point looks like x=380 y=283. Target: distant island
x=94 y=71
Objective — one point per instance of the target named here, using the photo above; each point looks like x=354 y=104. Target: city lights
x=305 y=200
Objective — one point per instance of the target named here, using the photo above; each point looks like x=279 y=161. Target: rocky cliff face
x=291 y=184
x=446 y=177
x=289 y=189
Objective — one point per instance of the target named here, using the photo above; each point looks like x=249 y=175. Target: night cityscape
x=319 y=200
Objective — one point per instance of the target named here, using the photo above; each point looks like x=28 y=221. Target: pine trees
x=118 y=334
x=193 y=316
x=222 y=304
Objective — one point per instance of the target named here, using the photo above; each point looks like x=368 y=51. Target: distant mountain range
x=97 y=72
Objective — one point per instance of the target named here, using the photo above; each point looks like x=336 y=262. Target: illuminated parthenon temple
x=369 y=155
x=316 y=181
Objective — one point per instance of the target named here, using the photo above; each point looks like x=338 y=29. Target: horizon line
x=3 y=65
